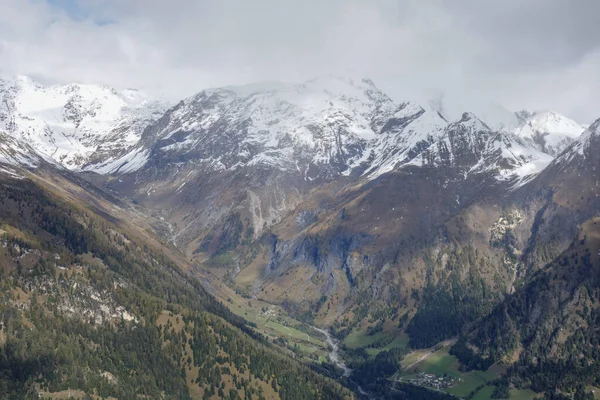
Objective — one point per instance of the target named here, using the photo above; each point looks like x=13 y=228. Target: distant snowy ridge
x=548 y=131
x=494 y=115
x=587 y=142
x=326 y=127
x=318 y=128
x=76 y=125
x=469 y=146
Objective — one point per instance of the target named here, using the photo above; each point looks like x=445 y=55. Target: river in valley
x=334 y=354
x=336 y=359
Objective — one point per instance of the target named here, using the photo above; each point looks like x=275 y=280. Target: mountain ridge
x=549 y=131
x=78 y=126
x=95 y=128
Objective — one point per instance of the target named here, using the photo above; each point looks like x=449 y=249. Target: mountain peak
x=23 y=79
x=553 y=122
x=549 y=131
x=467 y=116
x=494 y=115
x=594 y=128
x=330 y=83
x=323 y=124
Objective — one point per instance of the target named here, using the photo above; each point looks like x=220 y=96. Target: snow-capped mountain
x=584 y=151
x=469 y=146
x=406 y=134
x=590 y=137
x=548 y=131
x=261 y=149
x=318 y=128
x=78 y=126
x=323 y=128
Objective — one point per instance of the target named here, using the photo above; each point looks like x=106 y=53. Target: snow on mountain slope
x=318 y=128
x=76 y=125
x=409 y=131
x=324 y=128
x=469 y=146
x=573 y=175
x=16 y=153
x=17 y=156
x=548 y=131
x=125 y=163
x=592 y=133
x=582 y=147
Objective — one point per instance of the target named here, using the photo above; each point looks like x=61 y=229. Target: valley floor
x=436 y=369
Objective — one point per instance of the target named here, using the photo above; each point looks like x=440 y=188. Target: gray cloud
x=535 y=33
x=522 y=54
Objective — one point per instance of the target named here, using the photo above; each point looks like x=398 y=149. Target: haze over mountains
x=322 y=203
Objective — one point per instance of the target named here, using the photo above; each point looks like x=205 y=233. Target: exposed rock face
x=551 y=318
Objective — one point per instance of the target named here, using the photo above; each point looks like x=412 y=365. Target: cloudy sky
x=534 y=54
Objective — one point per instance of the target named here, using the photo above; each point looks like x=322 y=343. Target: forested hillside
x=549 y=328
x=89 y=308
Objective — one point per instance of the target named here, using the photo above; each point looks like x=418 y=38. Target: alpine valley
x=294 y=241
